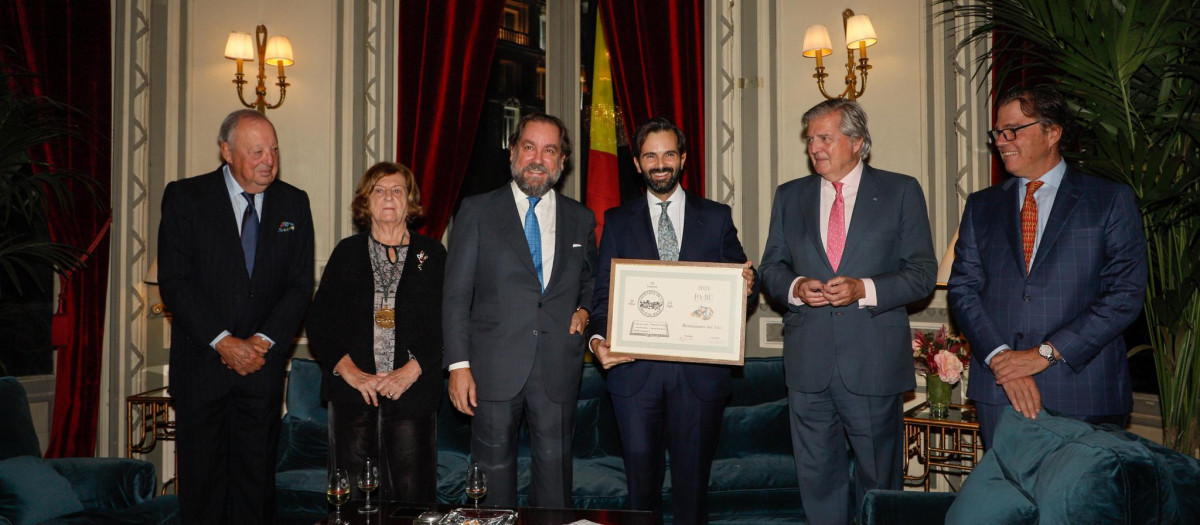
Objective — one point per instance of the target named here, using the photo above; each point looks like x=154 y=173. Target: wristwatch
x=1047 y=352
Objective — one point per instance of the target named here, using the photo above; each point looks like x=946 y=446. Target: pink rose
x=949 y=367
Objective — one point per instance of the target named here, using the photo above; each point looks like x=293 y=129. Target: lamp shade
x=859 y=29
x=816 y=41
x=279 y=51
x=152 y=273
x=239 y=46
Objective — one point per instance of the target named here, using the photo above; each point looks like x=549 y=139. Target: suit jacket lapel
x=564 y=225
x=225 y=219
x=268 y=223
x=512 y=230
x=643 y=234
x=1010 y=219
x=693 y=226
x=1065 y=200
x=866 y=205
x=810 y=201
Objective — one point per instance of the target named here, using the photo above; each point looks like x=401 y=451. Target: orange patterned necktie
x=1029 y=220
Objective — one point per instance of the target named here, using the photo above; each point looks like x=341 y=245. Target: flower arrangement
x=945 y=354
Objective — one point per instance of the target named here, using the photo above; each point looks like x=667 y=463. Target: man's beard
x=666 y=186
x=529 y=188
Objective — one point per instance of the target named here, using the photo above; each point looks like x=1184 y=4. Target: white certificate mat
x=677 y=311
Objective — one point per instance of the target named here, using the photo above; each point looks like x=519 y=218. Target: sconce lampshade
x=152 y=273
x=859 y=29
x=944 y=267
x=816 y=41
x=279 y=51
x=240 y=45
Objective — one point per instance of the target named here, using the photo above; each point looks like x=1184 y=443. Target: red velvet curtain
x=446 y=50
x=657 y=54
x=66 y=44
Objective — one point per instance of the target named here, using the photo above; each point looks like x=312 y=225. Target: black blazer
x=341 y=321
x=202 y=276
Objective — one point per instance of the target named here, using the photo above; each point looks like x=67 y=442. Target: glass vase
x=938 y=392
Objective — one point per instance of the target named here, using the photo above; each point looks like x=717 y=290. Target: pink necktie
x=836 y=236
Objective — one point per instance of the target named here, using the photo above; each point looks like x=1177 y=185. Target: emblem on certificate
x=677 y=311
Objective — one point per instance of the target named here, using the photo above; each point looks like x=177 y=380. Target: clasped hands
x=1014 y=371
x=391 y=385
x=839 y=291
x=244 y=356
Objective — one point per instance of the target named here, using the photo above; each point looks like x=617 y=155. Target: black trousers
x=405 y=450
x=227 y=458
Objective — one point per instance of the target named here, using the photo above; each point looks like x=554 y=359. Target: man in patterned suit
x=1049 y=269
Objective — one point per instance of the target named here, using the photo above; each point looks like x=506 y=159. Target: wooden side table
x=949 y=445
x=150 y=423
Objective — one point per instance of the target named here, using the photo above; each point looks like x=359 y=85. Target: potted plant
x=1128 y=68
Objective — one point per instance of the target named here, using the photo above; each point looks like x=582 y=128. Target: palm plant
x=29 y=189
x=1129 y=69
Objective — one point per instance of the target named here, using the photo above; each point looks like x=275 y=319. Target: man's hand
x=810 y=291
x=357 y=379
x=600 y=349
x=240 y=355
x=261 y=345
x=841 y=291
x=748 y=276
x=394 y=384
x=579 y=321
x=1015 y=364
x=1024 y=395
x=462 y=391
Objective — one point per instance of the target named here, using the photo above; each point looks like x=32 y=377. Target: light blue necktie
x=249 y=232
x=533 y=236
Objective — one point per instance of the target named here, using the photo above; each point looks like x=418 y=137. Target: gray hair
x=854 y=120
x=225 y=135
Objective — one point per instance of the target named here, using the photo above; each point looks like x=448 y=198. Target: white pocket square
x=577 y=246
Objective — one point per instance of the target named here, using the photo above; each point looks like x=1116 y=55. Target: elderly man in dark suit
x=848 y=248
x=1049 y=269
x=519 y=277
x=665 y=407
x=235 y=252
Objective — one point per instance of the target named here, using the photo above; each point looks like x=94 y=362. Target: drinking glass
x=368 y=479
x=338 y=493
x=476 y=482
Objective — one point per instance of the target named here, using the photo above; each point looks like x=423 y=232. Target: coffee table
x=403 y=513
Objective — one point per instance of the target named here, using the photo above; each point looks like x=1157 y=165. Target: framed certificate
x=677 y=311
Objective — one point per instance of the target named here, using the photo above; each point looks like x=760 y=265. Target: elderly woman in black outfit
x=375 y=325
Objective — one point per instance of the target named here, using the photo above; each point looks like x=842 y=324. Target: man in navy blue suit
x=665 y=406
x=848 y=248
x=1050 y=268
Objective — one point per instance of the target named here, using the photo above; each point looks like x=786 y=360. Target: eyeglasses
x=1008 y=133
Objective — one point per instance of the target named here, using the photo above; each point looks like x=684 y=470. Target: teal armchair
x=70 y=490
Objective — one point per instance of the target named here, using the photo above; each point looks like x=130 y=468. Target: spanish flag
x=603 y=184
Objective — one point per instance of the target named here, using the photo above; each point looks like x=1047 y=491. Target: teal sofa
x=753 y=476
x=70 y=490
x=1056 y=469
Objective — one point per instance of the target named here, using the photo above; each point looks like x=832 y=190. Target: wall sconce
x=859 y=35
x=277 y=51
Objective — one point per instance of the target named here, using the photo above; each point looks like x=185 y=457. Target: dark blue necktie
x=533 y=236
x=249 y=232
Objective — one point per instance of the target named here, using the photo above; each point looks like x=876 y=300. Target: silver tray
x=473 y=516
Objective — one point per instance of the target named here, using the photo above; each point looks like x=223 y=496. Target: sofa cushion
x=32 y=492
x=108 y=483
x=1074 y=472
x=304 y=391
x=20 y=439
x=755 y=429
x=991 y=495
x=307 y=445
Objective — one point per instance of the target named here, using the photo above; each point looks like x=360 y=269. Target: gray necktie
x=668 y=245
